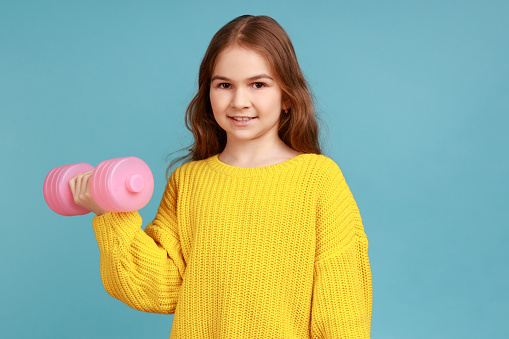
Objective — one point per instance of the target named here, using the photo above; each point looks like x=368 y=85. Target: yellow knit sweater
x=267 y=252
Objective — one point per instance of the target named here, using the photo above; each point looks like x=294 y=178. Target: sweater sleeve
x=143 y=269
x=342 y=292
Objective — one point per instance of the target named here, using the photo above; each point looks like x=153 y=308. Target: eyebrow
x=255 y=77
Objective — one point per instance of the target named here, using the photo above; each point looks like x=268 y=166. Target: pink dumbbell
x=118 y=185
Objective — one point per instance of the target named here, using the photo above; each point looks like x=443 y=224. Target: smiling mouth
x=242 y=119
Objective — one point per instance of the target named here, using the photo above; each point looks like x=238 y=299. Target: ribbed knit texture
x=266 y=252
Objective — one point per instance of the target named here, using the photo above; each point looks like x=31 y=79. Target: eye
x=224 y=85
x=259 y=85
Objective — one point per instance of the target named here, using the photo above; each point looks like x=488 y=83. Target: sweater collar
x=281 y=167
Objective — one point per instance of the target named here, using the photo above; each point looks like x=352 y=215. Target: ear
x=286 y=104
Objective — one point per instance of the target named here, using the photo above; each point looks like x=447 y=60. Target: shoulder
x=327 y=163
x=320 y=160
x=323 y=166
x=325 y=174
x=188 y=169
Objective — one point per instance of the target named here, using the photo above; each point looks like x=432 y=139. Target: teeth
x=242 y=119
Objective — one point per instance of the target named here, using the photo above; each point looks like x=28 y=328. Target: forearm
x=135 y=269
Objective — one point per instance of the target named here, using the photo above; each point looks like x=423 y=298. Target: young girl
x=257 y=234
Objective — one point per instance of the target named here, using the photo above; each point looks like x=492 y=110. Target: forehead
x=239 y=62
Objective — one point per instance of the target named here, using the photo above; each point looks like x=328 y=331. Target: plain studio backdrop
x=415 y=94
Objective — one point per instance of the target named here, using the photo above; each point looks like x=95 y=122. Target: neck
x=250 y=153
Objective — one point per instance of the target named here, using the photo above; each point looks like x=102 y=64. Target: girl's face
x=243 y=85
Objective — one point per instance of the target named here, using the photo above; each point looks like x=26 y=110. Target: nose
x=240 y=99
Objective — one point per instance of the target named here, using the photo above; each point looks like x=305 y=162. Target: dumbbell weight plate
x=111 y=188
x=57 y=192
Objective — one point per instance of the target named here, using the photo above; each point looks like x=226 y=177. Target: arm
x=342 y=292
x=143 y=269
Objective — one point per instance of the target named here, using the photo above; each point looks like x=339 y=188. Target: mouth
x=242 y=121
x=242 y=118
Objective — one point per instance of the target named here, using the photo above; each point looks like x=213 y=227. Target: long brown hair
x=298 y=128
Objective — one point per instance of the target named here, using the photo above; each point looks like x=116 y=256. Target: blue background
x=415 y=94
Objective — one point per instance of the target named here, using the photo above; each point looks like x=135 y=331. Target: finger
x=79 y=184
x=84 y=186
x=87 y=177
x=88 y=183
x=72 y=185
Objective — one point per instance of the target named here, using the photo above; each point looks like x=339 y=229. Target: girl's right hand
x=82 y=193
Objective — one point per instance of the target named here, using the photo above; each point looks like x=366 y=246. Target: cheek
x=219 y=103
x=271 y=104
x=213 y=99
